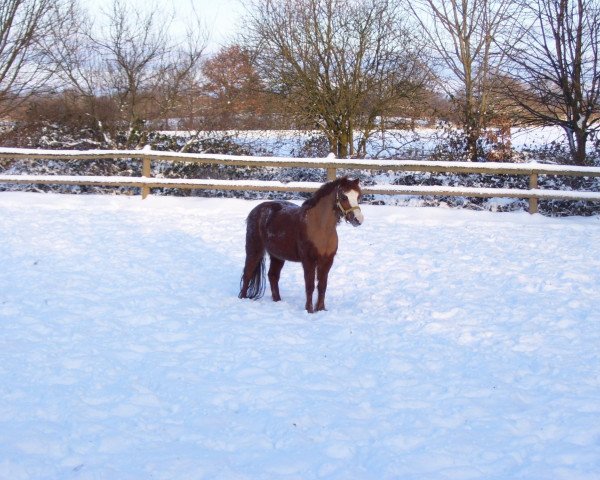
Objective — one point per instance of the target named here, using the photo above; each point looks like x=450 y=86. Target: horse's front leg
x=323 y=266
x=309 y=282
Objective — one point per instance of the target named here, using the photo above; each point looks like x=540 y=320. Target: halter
x=342 y=209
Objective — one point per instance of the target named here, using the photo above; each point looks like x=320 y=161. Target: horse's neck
x=320 y=227
x=322 y=215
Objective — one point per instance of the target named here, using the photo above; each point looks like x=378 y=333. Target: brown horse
x=305 y=234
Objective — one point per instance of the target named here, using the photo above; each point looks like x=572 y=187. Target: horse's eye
x=344 y=196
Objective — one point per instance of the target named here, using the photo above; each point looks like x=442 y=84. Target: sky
x=221 y=17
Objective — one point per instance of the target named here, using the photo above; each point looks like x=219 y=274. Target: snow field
x=457 y=345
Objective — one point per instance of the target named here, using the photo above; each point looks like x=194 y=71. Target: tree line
x=345 y=67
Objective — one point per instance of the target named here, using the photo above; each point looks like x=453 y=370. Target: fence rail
x=146 y=182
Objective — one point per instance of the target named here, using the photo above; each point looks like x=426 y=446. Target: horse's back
x=264 y=212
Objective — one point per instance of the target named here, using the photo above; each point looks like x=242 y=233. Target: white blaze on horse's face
x=353 y=199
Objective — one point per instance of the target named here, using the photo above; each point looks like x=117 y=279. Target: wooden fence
x=146 y=182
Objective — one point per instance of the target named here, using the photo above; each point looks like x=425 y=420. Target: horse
x=298 y=233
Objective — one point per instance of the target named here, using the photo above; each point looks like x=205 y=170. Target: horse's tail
x=256 y=285
x=252 y=283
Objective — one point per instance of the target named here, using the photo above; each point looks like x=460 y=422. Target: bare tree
x=465 y=36
x=133 y=48
x=133 y=61
x=338 y=64
x=556 y=65
x=79 y=69
x=26 y=28
x=179 y=76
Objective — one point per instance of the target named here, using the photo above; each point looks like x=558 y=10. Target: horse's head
x=347 y=197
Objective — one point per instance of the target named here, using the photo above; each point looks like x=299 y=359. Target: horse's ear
x=355 y=182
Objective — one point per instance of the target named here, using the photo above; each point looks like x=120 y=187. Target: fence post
x=533 y=201
x=331 y=171
x=146 y=172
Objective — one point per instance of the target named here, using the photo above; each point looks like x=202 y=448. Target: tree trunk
x=472 y=145
x=579 y=155
x=342 y=147
x=577 y=139
x=340 y=142
x=472 y=133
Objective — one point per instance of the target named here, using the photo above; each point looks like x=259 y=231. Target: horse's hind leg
x=274 y=274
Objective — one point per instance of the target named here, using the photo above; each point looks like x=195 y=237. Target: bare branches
x=338 y=64
x=465 y=36
x=132 y=60
x=558 y=66
x=25 y=27
x=344 y=66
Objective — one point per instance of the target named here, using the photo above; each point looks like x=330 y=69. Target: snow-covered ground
x=457 y=345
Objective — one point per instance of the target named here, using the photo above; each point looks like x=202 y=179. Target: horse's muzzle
x=355 y=217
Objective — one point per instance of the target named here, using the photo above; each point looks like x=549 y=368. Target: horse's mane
x=325 y=190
